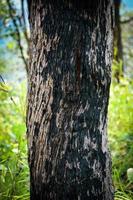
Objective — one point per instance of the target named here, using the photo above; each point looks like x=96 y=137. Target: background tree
x=119 y=32
x=14 y=172
x=118 y=48
x=69 y=79
x=14 y=27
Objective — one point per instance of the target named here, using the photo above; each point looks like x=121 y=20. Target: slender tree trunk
x=69 y=80
x=118 y=41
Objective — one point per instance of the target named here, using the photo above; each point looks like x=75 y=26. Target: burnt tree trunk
x=69 y=79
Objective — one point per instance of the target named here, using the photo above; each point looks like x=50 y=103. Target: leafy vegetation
x=121 y=137
x=14 y=173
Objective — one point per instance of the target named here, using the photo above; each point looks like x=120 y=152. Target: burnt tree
x=68 y=91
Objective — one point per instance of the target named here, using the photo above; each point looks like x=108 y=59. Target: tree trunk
x=118 y=56
x=69 y=79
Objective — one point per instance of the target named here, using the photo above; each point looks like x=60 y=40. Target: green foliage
x=14 y=174
x=121 y=136
x=130 y=174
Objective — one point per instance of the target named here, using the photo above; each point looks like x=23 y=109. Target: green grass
x=14 y=172
x=121 y=137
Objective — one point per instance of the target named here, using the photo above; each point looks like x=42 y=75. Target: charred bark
x=69 y=80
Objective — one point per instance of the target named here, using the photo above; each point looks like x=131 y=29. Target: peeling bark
x=69 y=79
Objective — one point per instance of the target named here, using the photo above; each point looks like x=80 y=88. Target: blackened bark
x=69 y=80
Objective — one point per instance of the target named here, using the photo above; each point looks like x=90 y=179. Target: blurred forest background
x=14 y=39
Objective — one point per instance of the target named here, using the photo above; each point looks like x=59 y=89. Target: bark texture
x=69 y=80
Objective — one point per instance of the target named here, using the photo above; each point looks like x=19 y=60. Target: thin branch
x=127 y=20
x=2 y=79
x=18 y=33
x=2 y=89
x=7 y=35
x=24 y=21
